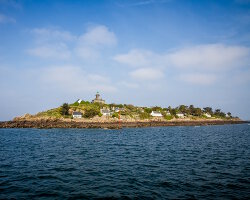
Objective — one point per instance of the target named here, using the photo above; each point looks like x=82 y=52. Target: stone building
x=98 y=99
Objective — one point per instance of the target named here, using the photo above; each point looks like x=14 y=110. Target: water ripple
x=148 y=163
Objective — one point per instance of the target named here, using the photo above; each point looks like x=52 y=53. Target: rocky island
x=98 y=114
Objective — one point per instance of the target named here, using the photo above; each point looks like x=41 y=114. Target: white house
x=207 y=115
x=77 y=115
x=119 y=109
x=105 y=112
x=180 y=115
x=156 y=114
x=79 y=101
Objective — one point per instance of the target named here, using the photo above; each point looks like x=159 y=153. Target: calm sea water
x=211 y=162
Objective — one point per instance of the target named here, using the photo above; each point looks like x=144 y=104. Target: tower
x=97 y=96
x=98 y=99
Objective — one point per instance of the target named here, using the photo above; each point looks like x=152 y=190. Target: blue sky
x=145 y=52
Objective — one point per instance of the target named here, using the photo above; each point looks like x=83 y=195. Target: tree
x=222 y=114
x=196 y=112
x=191 y=109
x=173 y=111
x=91 y=112
x=148 y=110
x=64 y=109
x=183 y=109
x=217 y=112
x=208 y=110
x=229 y=114
x=115 y=115
x=156 y=108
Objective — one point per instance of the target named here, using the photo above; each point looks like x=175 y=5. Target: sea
x=206 y=162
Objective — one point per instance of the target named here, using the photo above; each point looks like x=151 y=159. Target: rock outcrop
x=68 y=123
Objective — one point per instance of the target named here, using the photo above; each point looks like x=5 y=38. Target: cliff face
x=57 y=123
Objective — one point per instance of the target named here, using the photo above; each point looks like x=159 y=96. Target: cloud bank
x=59 y=44
x=195 y=64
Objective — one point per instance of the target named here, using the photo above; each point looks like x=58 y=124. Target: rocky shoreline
x=57 y=123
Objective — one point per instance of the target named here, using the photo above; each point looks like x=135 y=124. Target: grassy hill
x=90 y=110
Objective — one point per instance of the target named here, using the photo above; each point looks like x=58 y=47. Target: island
x=99 y=114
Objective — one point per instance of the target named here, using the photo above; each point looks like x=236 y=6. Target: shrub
x=168 y=117
x=64 y=109
x=148 y=110
x=115 y=115
x=74 y=104
x=144 y=115
x=91 y=112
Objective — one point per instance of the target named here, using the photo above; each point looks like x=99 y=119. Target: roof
x=77 y=113
x=156 y=112
x=105 y=111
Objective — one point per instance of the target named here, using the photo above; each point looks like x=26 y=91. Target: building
x=105 y=112
x=79 y=101
x=180 y=115
x=77 y=115
x=98 y=99
x=156 y=114
x=207 y=115
x=119 y=109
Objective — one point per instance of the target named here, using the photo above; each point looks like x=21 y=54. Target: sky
x=145 y=52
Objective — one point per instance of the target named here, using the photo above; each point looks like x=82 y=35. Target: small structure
x=98 y=99
x=156 y=114
x=79 y=101
x=77 y=115
x=207 y=115
x=105 y=112
x=180 y=115
x=119 y=109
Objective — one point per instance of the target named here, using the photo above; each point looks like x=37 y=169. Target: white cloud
x=198 y=78
x=87 y=53
x=196 y=64
x=52 y=35
x=55 y=51
x=209 y=57
x=203 y=57
x=75 y=80
x=93 y=41
x=129 y=84
x=98 y=36
x=50 y=42
x=137 y=58
x=5 y=19
x=147 y=74
x=98 y=78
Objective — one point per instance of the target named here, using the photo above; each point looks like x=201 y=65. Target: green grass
x=130 y=111
x=168 y=117
x=55 y=113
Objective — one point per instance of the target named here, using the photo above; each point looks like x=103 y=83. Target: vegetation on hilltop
x=90 y=110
